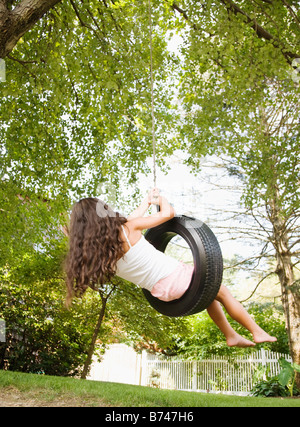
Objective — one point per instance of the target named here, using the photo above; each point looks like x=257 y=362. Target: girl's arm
x=166 y=213
x=152 y=198
x=141 y=210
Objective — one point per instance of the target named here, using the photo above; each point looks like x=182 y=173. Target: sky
x=202 y=196
x=211 y=196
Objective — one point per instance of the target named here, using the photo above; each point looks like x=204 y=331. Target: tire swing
x=208 y=262
x=208 y=265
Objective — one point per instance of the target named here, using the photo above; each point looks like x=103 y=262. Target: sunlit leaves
x=78 y=81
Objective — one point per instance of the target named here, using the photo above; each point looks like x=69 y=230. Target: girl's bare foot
x=238 y=341
x=262 y=336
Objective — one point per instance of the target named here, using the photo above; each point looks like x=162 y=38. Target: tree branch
x=182 y=12
x=256 y=287
x=291 y=11
x=14 y=24
x=24 y=64
x=260 y=31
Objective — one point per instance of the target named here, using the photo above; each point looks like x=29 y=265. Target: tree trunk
x=94 y=338
x=15 y=23
x=291 y=305
x=289 y=288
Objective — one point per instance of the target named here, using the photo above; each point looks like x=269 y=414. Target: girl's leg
x=237 y=312
x=232 y=337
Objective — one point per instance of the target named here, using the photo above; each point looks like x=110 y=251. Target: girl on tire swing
x=104 y=244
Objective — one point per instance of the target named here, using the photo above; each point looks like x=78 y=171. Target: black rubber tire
x=208 y=265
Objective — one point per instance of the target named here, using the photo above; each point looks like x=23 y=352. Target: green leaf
x=285 y=364
x=296 y=367
x=285 y=376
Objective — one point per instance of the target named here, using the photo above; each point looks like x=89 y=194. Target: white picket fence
x=217 y=374
x=211 y=375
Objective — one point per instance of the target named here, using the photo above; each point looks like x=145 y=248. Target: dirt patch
x=12 y=397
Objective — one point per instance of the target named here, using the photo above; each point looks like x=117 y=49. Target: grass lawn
x=18 y=389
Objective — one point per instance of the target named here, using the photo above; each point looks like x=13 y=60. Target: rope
x=152 y=96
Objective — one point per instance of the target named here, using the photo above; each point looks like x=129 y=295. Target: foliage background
x=75 y=115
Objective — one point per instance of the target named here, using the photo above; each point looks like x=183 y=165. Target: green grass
x=19 y=389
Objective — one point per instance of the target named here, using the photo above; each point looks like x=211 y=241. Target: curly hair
x=94 y=246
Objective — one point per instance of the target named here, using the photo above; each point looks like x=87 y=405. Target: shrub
x=269 y=388
x=282 y=385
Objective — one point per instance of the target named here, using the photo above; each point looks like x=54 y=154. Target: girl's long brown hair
x=94 y=246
